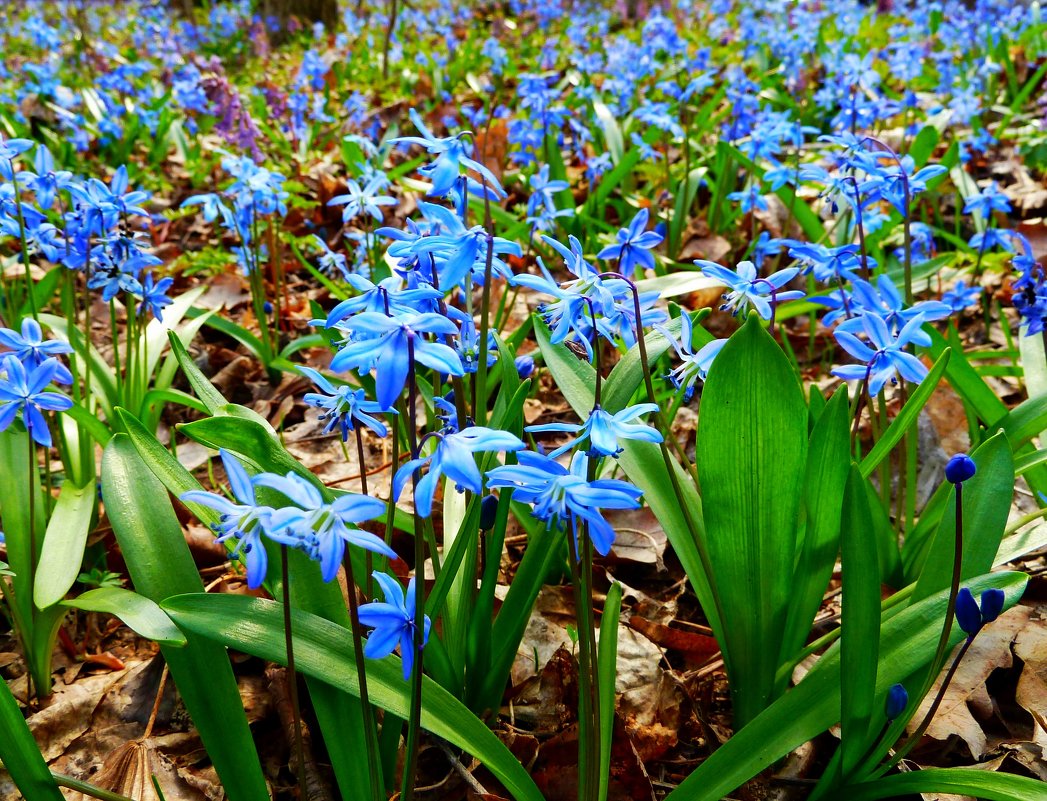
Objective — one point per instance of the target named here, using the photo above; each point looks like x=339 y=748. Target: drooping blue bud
x=897 y=700
x=488 y=510
x=524 y=366
x=960 y=468
x=992 y=605
x=968 y=615
x=267 y=307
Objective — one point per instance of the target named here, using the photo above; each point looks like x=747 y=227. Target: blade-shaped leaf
x=64 y=542
x=160 y=566
x=324 y=650
x=908 y=642
x=20 y=754
x=138 y=613
x=751 y=453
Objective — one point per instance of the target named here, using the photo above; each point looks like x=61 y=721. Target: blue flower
x=30 y=348
x=22 y=391
x=887 y=357
x=154 y=296
x=748 y=288
x=359 y=200
x=987 y=201
x=393 y=622
x=319 y=528
x=695 y=365
x=392 y=342
x=344 y=406
x=451 y=156
x=564 y=498
x=604 y=431
x=961 y=296
x=634 y=246
x=242 y=518
x=453 y=457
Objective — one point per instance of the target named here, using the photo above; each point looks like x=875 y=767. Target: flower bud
x=968 y=615
x=488 y=510
x=524 y=366
x=897 y=700
x=992 y=605
x=959 y=469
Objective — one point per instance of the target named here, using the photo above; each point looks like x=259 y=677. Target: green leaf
x=906 y=417
x=160 y=565
x=20 y=754
x=908 y=641
x=751 y=453
x=64 y=543
x=984 y=784
x=204 y=389
x=138 y=613
x=323 y=650
x=828 y=457
x=339 y=714
x=607 y=667
x=860 y=624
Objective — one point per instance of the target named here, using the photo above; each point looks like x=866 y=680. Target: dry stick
x=156 y=704
x=292 y=677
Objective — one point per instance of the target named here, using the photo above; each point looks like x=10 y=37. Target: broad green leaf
x=64 y=543
x=138 y=613
x=751 y=453
x=984 y=784
x=907 y=641
x=860 y=624
x=323 y=650
x=160 y=565
x=20 y=753
x=825 y=477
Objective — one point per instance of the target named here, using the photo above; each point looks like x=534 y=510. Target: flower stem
x=414 y=721
x=370 y=732
x=292 y=677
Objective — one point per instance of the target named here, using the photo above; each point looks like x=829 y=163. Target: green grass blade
x=828 y=456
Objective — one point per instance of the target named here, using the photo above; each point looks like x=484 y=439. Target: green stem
x=292 y=676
